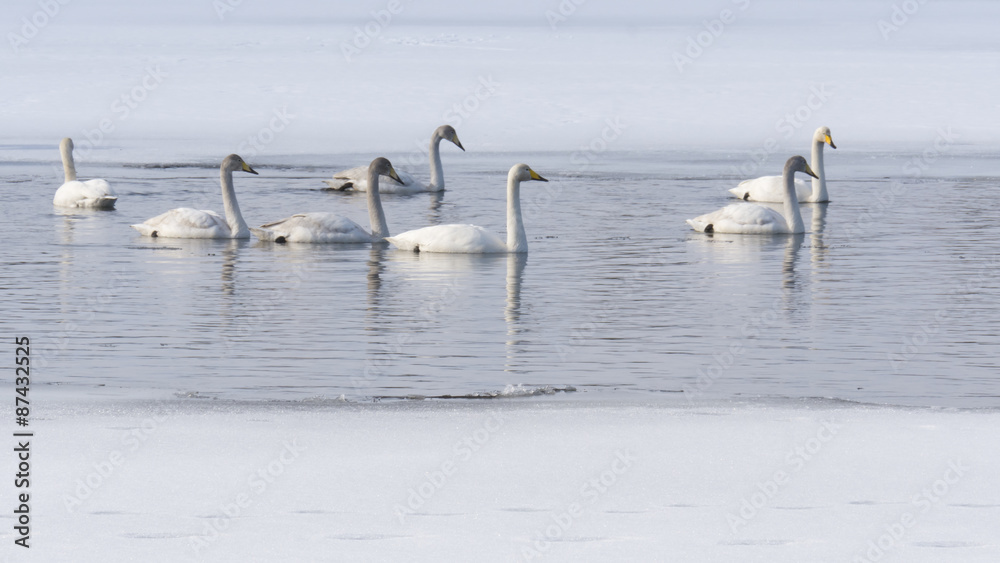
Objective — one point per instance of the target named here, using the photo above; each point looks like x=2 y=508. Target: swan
x=470 y=238
x=754 y=219
x=331 y=228
x=771 y=188
x=185 y=222
x=95 y=194
x=357 y=178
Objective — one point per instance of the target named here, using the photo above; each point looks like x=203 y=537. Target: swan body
x=94 y=194
x=331 y=228
x=772 y=189
x=317 y=227
x=754 y=219
x=469 y=239
x=185 y=222
x=357 y=178
x=472 y=239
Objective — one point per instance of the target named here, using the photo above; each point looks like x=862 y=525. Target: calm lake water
x=617 y=296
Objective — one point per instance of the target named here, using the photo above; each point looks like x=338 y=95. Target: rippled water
x=617 y=294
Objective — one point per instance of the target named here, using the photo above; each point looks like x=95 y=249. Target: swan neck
x=437 y=171
x=517 y=240
x=818 y=184
x=376 y=216
x=69 y=167
x=793 y=216
x=237 y=226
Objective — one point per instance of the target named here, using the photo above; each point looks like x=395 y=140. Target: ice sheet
x=513 y=479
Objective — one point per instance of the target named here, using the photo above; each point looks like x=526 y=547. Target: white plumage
x=772 y=188
x=755 y=219
x=317 y=227
x=329 y=228
x=185 y=222
x=472 y=239
x=95 y=194
x=357 y=178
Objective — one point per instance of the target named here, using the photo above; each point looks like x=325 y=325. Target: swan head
x=447 y=132
x=66 y=144
x=523 y=173
x=235 y=163
x=798 y=164
x=822 y=135
x=382 y=167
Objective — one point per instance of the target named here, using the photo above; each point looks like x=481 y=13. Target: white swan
x=331 y=228
x=771 y=188
x=754 y=219
x=185 y=222
x=470 y=238
x=357 y=178
x=95 y=194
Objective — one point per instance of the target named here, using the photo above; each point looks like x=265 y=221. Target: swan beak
x=535 y=176
x=246 y=168
x=394 y=176
x=810 y=172
x=458 y=143
x=829 y=141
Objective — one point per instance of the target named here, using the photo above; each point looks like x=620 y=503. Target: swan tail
x=697 y=225
x=144 y=229
x=106 y=202
x=267 y=235
x=402 y=244
x=338 y=184
x=101 y=202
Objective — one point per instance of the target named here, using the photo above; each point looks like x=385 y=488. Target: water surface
x=891 y=295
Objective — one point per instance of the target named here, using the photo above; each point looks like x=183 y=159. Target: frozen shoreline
x=512 y=479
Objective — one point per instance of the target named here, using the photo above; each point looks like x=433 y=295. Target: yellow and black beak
x=535 y=176
x=809 y=170
x=394 y=176
x=454 y=139
x=246 y=168
x=829 y=141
